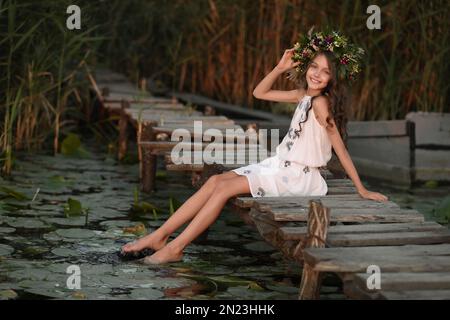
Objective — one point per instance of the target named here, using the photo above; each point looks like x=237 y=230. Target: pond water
x=39 y=239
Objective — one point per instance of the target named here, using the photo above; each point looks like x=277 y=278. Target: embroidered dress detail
x=294 y=169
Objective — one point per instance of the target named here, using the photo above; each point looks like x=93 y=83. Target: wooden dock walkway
x=344 y=234
x=155 y=119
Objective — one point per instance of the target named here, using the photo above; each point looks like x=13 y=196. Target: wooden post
x=147 y=160
x=123 y=124
x=411 y=132
x=317 y=228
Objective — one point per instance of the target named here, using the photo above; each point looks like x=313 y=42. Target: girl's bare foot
x=150 y=241
x=165 y=255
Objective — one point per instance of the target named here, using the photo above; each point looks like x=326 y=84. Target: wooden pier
x=347 y=235
x=155 y=119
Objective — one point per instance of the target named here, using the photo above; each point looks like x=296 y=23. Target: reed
x=223 y=48
x=219 y=48
x=42 y=62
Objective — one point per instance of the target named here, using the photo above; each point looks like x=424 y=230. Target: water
x=38 y=242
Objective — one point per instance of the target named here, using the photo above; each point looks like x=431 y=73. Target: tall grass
x=41 y=59
x=219 y=48
x=223 y=48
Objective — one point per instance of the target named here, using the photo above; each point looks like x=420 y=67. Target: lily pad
x=116 y=223
x=4 y=230
x=5 y=250
x=34 y=250
x=76 y=233
x=71 y=221
x=8 y=295
x=65 y=252
x=146 y=294
x=28 y=223
x=259 y=246
x=244 y=292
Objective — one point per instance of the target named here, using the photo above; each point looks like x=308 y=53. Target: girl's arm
x=263 y=89
x=321 y=111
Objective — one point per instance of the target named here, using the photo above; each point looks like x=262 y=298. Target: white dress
x=294 y=169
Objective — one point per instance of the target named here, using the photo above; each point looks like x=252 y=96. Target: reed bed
x=218 y=48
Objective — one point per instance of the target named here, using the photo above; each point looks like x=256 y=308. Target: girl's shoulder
x=301 y=93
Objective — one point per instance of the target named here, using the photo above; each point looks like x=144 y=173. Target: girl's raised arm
x=263 y=89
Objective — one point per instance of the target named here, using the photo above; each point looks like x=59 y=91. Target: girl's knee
x=213 y=180
x=231 y=187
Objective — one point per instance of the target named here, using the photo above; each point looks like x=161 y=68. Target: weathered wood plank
x=228 y=108
x=298 y=233
x=159 y=114
x=406 y=281
x=248 y=202
x=332 y=203
x=379 y=128
x=378 y=214
x=432 y=128
x=416 y=295
x=169 y=145
x=389 y=239
x=155 y=105
x=408 y=258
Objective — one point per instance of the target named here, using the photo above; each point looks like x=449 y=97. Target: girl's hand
x=286 y=61
x=366 y=194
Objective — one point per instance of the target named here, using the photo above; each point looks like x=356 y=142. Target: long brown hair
x=335 y=91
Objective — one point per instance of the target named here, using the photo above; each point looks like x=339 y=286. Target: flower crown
x=348 y=54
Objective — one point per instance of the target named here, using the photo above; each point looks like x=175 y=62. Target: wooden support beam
x=123 y=124
x=318 y=222
x=148 y=161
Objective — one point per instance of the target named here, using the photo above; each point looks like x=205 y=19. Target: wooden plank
x=340 y=182
x=117 y=97
x=169 y=145
x=229 y=108
x=432 y=128
x=190 y=127
x=104 y=74
x=389 y=238
x=248 y=202
x=300 y=202
x=166 y=113
x=298 y=233
x=121 y=88
x=353 y=215
x=408 y=258
x=379 y=128
x=156 y=105
x=416 y=295
x=406 y=281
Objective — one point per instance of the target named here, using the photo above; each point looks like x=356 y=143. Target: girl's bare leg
x=225 y=189
x=157 y=239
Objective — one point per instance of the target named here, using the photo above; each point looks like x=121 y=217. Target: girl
x=317 y=124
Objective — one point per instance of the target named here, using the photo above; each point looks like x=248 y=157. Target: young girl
x=317 y=124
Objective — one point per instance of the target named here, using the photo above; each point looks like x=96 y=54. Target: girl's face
x=318 y=73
